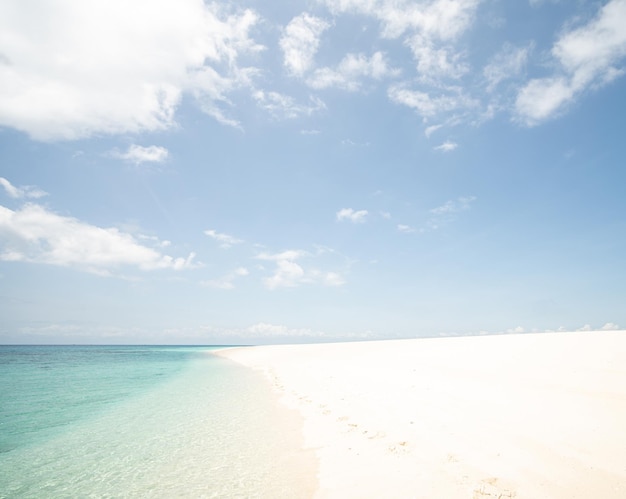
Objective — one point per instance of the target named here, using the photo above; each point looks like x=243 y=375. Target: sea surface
x=143 y=421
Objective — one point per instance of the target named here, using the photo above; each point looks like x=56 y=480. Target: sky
x=188 y=172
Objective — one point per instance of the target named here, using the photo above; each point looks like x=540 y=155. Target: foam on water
x=212 y=429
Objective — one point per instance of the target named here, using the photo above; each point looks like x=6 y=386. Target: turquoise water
x=142 y=422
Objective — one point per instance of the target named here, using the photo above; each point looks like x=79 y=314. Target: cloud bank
x=77 y=69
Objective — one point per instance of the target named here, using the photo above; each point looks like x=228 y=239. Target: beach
x=525 y=415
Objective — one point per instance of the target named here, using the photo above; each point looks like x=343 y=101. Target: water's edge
x=298 y=465
x=302 y=463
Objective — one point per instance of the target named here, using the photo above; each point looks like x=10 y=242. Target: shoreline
x=195 y=425
x=526 y=416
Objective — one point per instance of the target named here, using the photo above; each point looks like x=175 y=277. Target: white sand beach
x=527 y=416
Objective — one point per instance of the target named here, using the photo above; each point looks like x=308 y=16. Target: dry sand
x=527 y=416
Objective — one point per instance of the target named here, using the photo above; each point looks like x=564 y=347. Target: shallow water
x=143 y=422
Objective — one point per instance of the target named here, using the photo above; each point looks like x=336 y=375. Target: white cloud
x=435 y=61
x=24 y=191
x=352 y=143
x=406 y=229
x=447 y=146
x=442 y=19
x=34 y=234
x=351 y=70
x=289 y=274
x=444 y=209
x=139 y=154
x=586 y=56
x=264 y=329
x=431 y=129
x=430 y=29
x=211 y=90
x=447 y=212
x=427 y=105
x=610 y=326
x=516 y=330
x=333 y=279
x=541 y=99
x=284 y=255
x=454 y=206
x=508 y=63
x=283 y=106
x=76 y=69
x=227 y=281
x=153 y=239
x=351 y=215
x=300 y=42
x=225 y=240
x=286 y=275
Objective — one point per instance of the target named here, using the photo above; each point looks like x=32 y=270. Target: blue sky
x=175 y=171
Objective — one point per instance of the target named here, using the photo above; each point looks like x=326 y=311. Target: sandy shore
x=526 y=416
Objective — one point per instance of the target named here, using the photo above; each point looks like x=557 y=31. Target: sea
x=144 y=421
